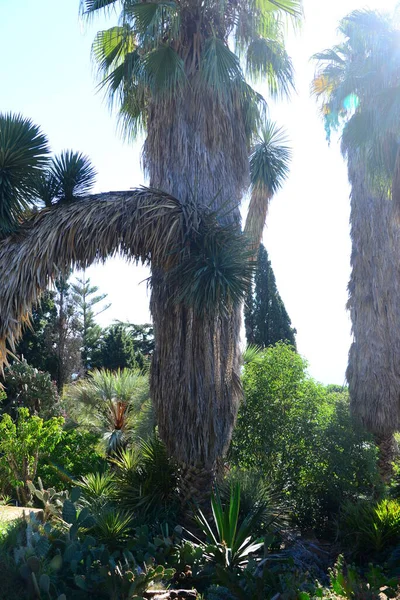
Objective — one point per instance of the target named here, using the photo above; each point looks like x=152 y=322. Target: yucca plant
x=68 y=177
x=366 y=528
x=24 y=152
x=231 y=542
x=112 y=527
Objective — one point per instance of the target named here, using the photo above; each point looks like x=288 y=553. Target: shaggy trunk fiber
x=373 y=370
x=196 y=148
x=387 y=452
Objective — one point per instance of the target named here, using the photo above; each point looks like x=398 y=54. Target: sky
x=46 y=74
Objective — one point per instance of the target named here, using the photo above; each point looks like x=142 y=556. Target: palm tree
x=358 y=83
x=23 y=154
x=113 y=404
x=170 y=68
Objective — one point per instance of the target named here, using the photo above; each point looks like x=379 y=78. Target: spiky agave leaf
x=23 y=154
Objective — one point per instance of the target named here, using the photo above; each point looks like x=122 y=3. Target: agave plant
x=98 y=490
x=230 y=543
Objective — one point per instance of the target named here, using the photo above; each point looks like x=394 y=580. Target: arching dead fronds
x=141 y=224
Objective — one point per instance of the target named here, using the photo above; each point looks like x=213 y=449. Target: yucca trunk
x=196 y=148
x=373 y=371
x=256 y=217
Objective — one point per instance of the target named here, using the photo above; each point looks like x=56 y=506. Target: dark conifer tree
x=266 y=318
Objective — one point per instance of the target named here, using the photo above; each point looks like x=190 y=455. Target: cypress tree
x=265 y=315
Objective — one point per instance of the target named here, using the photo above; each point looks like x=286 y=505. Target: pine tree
x=266 y=318
x=67 y=334
x=85 y=300
x=117 y=350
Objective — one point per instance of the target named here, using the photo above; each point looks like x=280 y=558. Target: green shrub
x=27 y=387
x=74 y=456
x=21 y=443
x=366 y=529
x=346 y=581
x=300 y=435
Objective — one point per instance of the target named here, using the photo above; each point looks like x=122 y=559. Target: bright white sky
x=47 y=75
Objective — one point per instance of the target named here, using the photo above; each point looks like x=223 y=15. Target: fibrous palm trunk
x=373 y=371
x=196 y=149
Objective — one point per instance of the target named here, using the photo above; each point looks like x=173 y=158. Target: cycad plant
x=181 y=73
x=147 y=481
x=357 y=82
x=111 y=403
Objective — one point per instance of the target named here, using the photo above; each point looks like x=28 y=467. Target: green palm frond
x=251 y=353
x=89 y=7
x=160 y=20
x=164 y=70
x=268 y=60
x=23 y=154
x=288 y=7
x=132 y=117
x=219 y=65
x=74 y=173
x=110 y=47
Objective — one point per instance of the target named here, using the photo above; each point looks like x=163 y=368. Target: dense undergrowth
x=298 y=513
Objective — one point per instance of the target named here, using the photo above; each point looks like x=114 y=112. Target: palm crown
x=160 y=48
x=357 y=81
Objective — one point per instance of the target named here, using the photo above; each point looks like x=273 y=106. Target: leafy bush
x=366 y=529
x=21 y=443
x=346 y=581
x=27 y=387
x=74 y=456
x=301 y=436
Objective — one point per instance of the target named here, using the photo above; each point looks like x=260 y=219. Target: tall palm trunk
x=373 y=371
x=195 y=381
